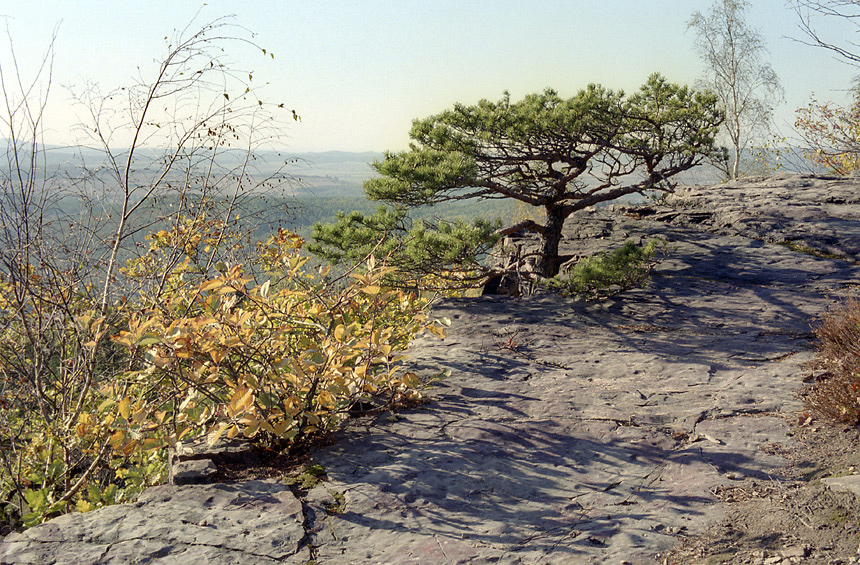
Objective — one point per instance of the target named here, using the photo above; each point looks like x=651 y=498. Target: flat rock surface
x=567 y=432
x=248 y=522
x=817 y=212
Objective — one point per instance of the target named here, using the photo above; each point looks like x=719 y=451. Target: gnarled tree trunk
x=549 y=263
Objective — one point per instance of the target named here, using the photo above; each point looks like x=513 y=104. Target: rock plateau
x=567 y=431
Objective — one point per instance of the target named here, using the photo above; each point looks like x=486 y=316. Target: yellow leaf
x=251 y=430
x=142 y=327
x=438 y=331
x=232 y=341
x=209 y=285
x=241 y=399
x=139 y=414
x=192 y=394
x=124 y=405
x=372 y=290
x=129 y=448
x=85 y=320
x=280 y=427
x=326 y=400
x=122 y=339
x=151 y=443
x=339 y=332
x=410 y=380
x=116 y=439
x=217 y=355
x=215 y=433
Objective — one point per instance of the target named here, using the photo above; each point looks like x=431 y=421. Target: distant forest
x=316 y=187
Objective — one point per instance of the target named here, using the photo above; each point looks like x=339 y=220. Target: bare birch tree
x=830 y=131
x=738 y=73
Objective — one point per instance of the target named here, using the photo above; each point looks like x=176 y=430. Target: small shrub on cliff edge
x=836 y=395
x=608 y=273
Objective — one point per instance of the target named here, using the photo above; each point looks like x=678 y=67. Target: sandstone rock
x=850 y=483
x=243 y=523
x=820 y=213
x=567 y=431
x=196 y=471
x=198 y=462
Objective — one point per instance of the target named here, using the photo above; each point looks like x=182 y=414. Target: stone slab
x=567 y=432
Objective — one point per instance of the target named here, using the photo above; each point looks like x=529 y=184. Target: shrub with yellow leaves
x=267 y=351
x=279 y=361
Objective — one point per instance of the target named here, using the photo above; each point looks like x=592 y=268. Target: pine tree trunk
x=548 y=265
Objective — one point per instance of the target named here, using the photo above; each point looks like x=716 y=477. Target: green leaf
x=148 y=339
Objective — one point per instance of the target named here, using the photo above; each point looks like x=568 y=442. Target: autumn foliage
x=282 y=359
x=266 y=351
x=836 y=393
x=831 y=134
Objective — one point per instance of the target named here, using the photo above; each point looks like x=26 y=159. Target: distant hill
x=330 y=174
x=318 y=184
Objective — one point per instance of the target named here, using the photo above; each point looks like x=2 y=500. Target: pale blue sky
x=358 y=72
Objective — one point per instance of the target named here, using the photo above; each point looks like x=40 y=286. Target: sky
x=359 y=72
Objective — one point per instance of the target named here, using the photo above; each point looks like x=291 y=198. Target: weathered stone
x=849 y=483
x=567 y=431
x=794 y=551
x=820 y=213
x=192 y=472
x=248 y=523
x=198 y=462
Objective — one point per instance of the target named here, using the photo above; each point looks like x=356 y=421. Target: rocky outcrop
x=246 y=522
x=566 y=431
x=200 y=463
x=809 y=213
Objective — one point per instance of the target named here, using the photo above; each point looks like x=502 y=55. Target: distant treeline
x=304 y=212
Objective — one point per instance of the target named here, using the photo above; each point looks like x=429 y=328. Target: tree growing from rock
x=739 y=73
x=559 y=155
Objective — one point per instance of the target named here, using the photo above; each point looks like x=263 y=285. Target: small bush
x=211 y=353
x=278 y=361
x=608 y=273
x=836 y=395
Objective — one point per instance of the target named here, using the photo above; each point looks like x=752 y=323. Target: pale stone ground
x=567 y=432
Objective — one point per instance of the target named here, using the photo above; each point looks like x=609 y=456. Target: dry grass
x=836 y=393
